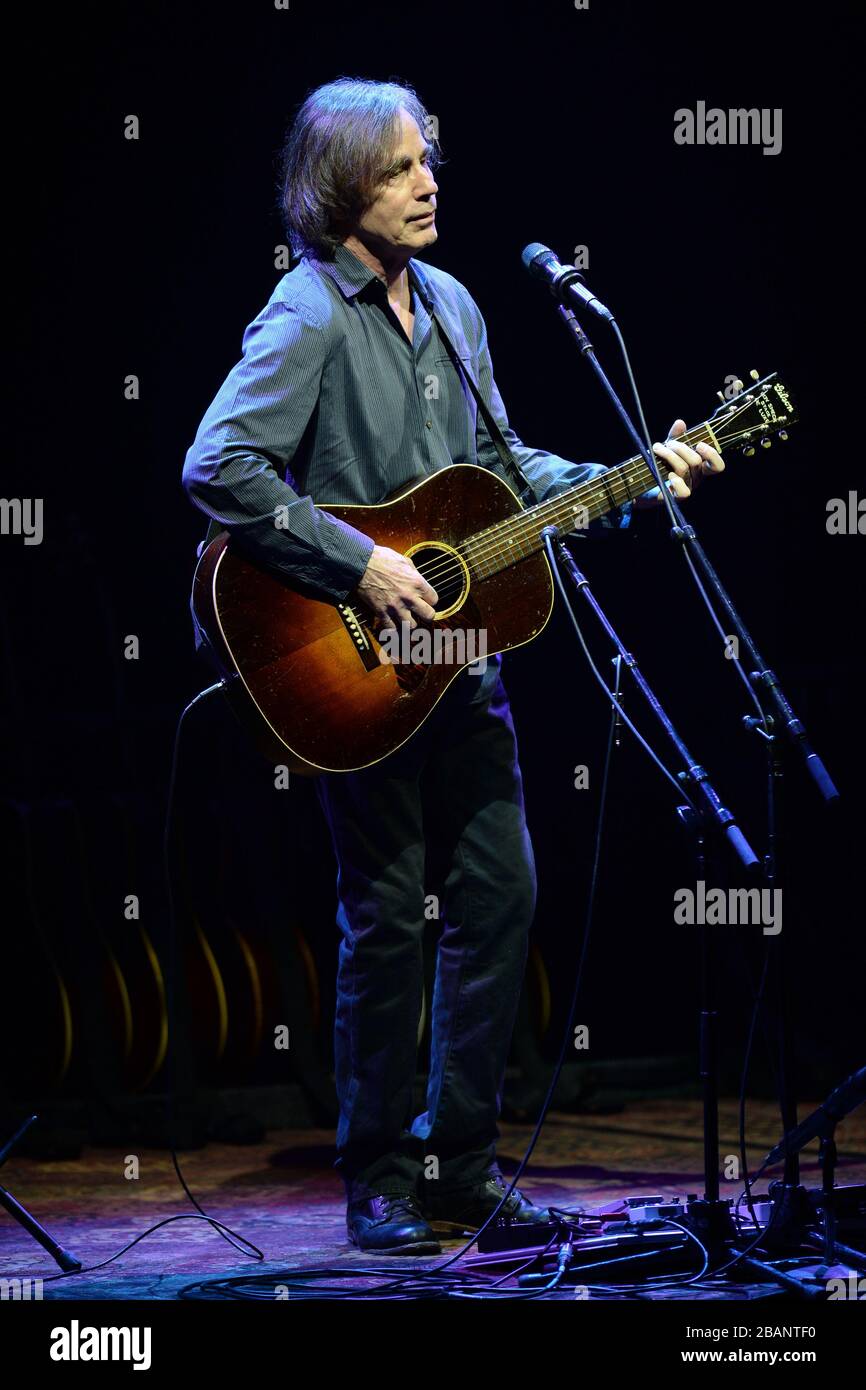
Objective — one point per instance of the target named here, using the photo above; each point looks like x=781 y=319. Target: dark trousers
x=442 y=816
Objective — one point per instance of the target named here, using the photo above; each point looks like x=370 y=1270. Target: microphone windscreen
x=530 y=254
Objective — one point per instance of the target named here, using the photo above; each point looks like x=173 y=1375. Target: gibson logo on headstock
x=783 y=396
x=769 y=407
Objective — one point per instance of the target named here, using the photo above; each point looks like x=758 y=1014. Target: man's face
x=402 y=217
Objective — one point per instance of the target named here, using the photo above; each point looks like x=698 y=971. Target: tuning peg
x=754 y=375
x=766 y=443
x=750 y=451
x=783 y=434
x=737 y=385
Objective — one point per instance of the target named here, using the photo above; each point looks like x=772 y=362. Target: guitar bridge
x=363 y=645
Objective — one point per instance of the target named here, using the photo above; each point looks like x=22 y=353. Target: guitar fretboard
x=507 y=542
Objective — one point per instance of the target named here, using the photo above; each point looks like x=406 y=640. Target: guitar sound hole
x=446 y=571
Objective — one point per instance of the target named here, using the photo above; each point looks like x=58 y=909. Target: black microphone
x=565 y=281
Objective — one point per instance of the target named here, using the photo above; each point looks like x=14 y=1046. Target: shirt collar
x=419 y=277
x=351 y=276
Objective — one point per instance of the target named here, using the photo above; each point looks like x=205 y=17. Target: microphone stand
x=761 y=676
x=762 y=679
x=710 y=1216
x=821 y=1125
x=790 y=1228
x=68 y=1262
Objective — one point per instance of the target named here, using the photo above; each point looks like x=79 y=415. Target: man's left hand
x=689 y=466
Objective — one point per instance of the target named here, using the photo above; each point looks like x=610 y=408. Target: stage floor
x=283 y=1195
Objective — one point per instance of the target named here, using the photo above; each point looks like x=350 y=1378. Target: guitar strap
x=506 y=457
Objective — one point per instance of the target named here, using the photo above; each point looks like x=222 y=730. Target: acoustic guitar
x=305 y=675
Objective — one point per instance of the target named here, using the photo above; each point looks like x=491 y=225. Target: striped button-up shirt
x=332 y=403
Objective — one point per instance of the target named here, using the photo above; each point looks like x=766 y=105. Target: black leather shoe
x=391 y=1224
x=465 y=1209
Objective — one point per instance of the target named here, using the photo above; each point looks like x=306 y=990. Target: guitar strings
x=529 y=525
x=442 y=570
x=484 y=545
x=621 y=476
x=523 y=528
x=702 y=433
x=446 y=568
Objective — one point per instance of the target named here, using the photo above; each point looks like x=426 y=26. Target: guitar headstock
x=750 y=415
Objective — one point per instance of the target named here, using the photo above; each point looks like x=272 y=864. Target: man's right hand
x=395 y=590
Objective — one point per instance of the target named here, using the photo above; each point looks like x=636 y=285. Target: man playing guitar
x=346 y=392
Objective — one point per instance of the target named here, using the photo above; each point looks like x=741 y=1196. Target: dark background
x=150 y=257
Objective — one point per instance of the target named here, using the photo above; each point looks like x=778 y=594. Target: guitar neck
x=492 y=550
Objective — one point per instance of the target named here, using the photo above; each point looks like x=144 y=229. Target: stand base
x=796 y=1216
